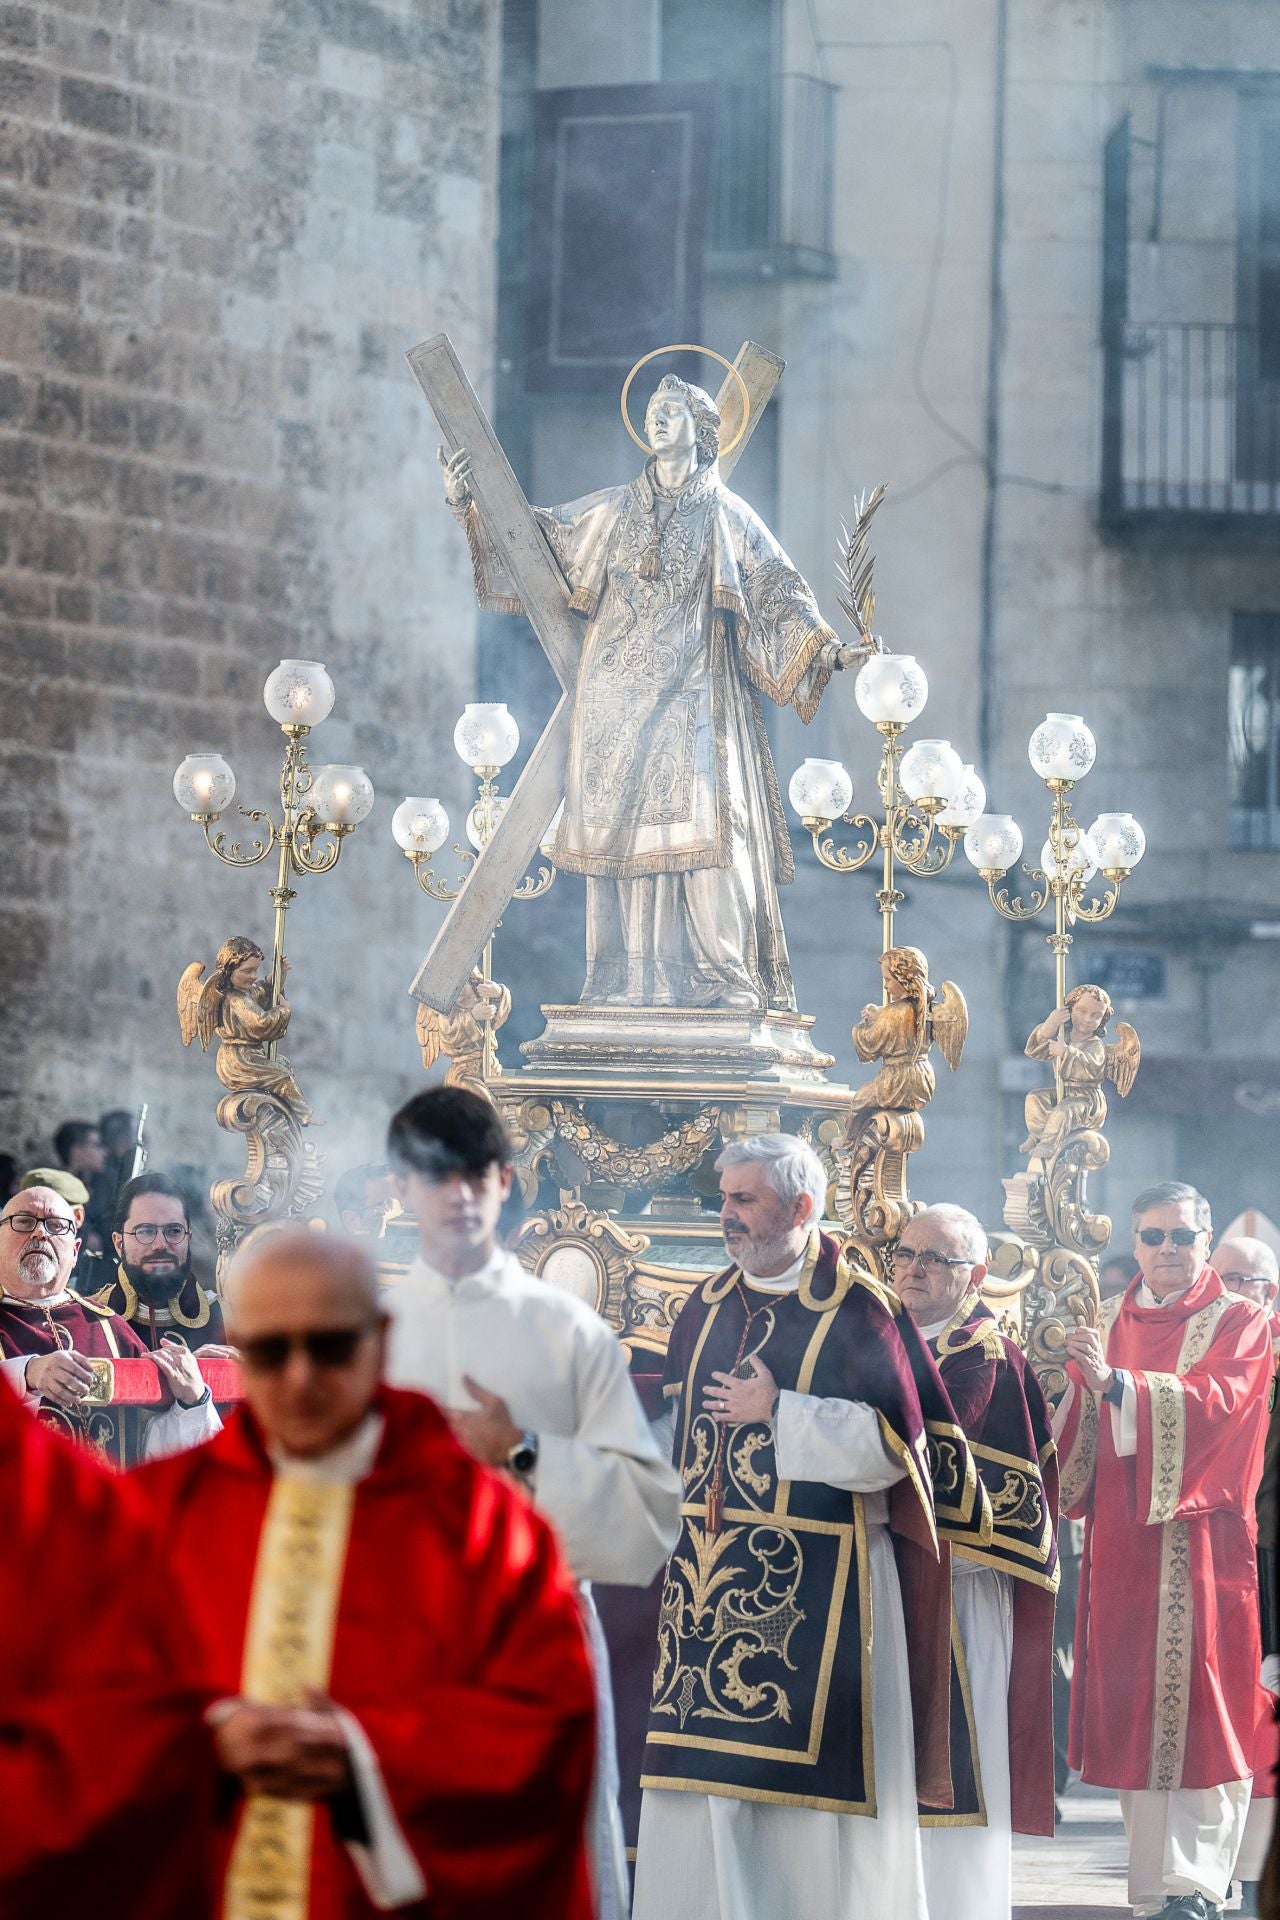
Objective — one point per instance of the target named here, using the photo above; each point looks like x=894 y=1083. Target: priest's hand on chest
x=294 y=1753
x=62 y=1377
x=486 y=1430
x=740 y=1398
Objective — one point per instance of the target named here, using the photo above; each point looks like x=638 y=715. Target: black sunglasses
x=1180 y=1236
x=323 y=1346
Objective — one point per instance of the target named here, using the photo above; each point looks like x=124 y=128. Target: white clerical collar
x=1148 y=1299
x=346 y=1463
x=932 y=1331
x=46 y=1299
x=483 y=1278
x=778 y=1282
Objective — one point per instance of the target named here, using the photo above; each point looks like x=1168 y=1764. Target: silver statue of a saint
x=671 y=807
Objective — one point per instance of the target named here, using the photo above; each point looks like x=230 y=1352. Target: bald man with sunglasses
x=1160 y=1437
x=402 y=1699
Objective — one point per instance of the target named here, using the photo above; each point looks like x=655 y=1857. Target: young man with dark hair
x=155 y=1289
x=80 y=1147
x=532 y=1380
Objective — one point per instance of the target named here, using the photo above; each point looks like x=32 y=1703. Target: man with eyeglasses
x=402 y=1693
x=155 y=1288
x=53 y=1343
x=1003 y=1589
x=1161 y=1435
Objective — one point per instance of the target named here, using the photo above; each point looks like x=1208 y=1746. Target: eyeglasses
x=323 y=1346
x=28 y=1223
x=146 y=1235
x=901 y=1259
x=1180 y=1236
x=1247 y=1280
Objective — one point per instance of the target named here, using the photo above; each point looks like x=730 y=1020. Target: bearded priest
x=1004 y=1589
x=54 y=1344
x=404 y=1706
x=801 y=1688
x=156 y=1289
x=1161 y=1435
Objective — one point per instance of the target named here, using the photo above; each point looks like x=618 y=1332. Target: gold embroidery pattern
x=1168 y=1444
x=1017 y=1503
x=722 y=1611
x=1082 y=1456
x=288 y=1647
x=743 y=1469
x=1173 y=1659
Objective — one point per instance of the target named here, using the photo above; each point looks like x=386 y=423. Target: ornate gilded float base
x=678 y=1045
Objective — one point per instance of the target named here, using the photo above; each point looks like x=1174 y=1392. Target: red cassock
x=457 y=1645
x=1166 y=1690
x=106 y=1769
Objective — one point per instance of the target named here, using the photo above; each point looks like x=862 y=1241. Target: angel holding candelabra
x=1074 y=1039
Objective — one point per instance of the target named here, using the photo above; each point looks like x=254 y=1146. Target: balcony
x=1191 y=411
x=771 y=179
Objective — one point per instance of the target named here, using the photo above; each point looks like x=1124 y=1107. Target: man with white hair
x=779 y=1771
x=1249 y=1268
x=1161 y=1435
x=1003 y=1590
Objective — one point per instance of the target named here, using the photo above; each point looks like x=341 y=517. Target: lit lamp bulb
x=204 y=783
x=1062 y=747
x=820 y=790
x=966 y=803
x=1118 y=841
x=931 y=772
x=299 y=693
x=420 y=825
x=1081 y=858
x=547 y=844
x=891 y=687
x=340 y=796
x=486 y=735
x=993 y=843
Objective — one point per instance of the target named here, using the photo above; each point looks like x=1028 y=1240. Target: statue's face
x=669 y=424
x=1087 y=1015
x=244 y=975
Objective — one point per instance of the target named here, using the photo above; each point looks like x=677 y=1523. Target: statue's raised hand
x=457 y=476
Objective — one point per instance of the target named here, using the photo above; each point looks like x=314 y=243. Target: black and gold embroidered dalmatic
x=761 y=1688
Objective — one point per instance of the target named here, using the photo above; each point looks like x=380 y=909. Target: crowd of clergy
x=421 y=1598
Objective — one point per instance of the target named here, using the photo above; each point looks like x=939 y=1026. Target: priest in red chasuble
x=1003 y=1589
x=106 y=1771
x=53 y=1343
x=402 y=1695
x=1161 y=1436
x=800 y=1696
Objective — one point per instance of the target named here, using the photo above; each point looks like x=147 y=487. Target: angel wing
x=197 y=1006
x=1124 y=1056
x=856 y=596
x=429 y=1027
x=950 y=1022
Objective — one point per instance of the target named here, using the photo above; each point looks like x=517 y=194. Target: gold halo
x=687 y=346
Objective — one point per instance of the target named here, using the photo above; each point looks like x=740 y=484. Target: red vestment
x=458 y=1647
x=106 y=1768
x=1165 y=1692
x=74 y=1323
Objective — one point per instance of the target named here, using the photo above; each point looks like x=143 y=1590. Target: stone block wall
x=221 y=225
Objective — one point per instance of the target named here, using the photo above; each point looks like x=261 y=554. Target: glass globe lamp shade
x=547 y=844
x=420 y=824
x=820 y=790
x=486 y=735
x=993 y=843
x=891 y=686
x=1118 y=841
x=931 y=770
x=1062 y=747
x=299 y=693
x=1082 y=859
x=966 y=803
x=204 y=783
x=482 y=821
x=340 y=796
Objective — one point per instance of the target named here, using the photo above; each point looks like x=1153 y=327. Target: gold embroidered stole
x=293 y=1611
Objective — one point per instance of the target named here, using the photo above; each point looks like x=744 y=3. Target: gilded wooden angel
x=464 y=1035
x=1074 y=1039
x=234 y=1007
x=901 y=1034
